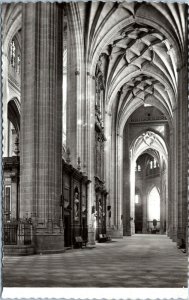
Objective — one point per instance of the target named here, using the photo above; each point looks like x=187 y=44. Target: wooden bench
x=102 y=238
x=80 y=242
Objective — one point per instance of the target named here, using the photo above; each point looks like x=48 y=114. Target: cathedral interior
x=95 y=116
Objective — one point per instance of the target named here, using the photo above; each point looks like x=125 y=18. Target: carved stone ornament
x=16 y=148
x=149 y=138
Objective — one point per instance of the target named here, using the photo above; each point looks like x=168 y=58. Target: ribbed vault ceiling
x=139 y=63
x=137 y=49
x=103 y=20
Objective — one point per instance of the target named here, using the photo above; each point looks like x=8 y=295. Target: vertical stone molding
x=144 y=203
x=162 y=203
x=41 y=125
x=89 y=157
x=126 y=185
x=4 y=102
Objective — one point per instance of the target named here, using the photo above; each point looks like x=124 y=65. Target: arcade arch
x=153 y=208
x=148 y=144
x=13 y=127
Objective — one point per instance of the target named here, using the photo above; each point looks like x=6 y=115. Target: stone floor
x=137 y=261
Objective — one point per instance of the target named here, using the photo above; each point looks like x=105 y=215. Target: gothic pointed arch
x=14 y=113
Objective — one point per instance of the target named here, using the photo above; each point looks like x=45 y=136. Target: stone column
x=89 y=156
x=173 y=181
x=41 y=122
x=117 y=185
x=162 y=200
x=126 y=184
x=170 y=188
x=166 y=202
x=132 y=193
x=73 y=76
x=182 y=130
x=174 y=178
x=118 y=232
x=5 y=98
x=108 y=164
x=144 y=209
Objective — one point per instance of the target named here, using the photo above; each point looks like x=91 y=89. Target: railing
x=18 y=232
x=150 y=173
x=10 y=234
x=148 y=119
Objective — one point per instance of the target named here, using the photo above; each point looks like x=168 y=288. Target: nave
x=142 y=260
x=95 y=128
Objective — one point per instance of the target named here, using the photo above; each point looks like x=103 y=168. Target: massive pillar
x=132 y=194
x=41 y=123
x=118 y=230
x=74 y=76
x=170 y=188
x=4 y=102
x=90 y=157
x=174 y=180
x=182 y=158
x=162 y=201
x=126 y=185
x=144 y=209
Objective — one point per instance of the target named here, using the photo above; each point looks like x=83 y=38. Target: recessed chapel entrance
x=147 y=194
x=145 y=171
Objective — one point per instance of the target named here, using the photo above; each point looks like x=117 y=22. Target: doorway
x=67 y=230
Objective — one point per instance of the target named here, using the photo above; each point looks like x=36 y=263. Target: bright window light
x=79 y=122
x=154 y=205
x=136 y=199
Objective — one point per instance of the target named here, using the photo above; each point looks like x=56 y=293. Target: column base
x=18 y=250
x=170 y=233
x=108 y=231
x=127 y=232
x=144 y=230
x=49 y=244
x=46 y=242
x=91 y=236
x=181 y=239
x=132 y=228
x=174 y=235
x=116 y=233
